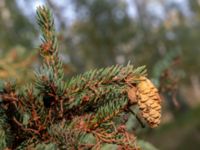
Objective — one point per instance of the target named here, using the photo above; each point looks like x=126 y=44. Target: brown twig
x=137 y=117
x=25 y=129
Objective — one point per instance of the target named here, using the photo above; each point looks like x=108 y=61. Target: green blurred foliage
x=14 y=27
x=16 y=43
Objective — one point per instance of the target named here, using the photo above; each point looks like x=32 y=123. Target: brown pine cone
x=149 y=102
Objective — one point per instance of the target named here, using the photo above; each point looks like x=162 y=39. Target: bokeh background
x=164 y=35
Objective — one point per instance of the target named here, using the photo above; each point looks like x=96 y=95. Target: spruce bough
x=85 y=112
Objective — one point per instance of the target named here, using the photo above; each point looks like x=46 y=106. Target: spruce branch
x=49 y=46
x=101 y=92
x=54 y=114
x=47 y=28
x=49 y=79
x=100 y=82
x=5 y=131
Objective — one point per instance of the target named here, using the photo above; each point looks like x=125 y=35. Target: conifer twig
x=137 y=117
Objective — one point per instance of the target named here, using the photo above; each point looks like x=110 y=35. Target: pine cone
x=149 y=102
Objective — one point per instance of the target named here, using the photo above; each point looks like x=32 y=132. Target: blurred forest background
x=164 y=35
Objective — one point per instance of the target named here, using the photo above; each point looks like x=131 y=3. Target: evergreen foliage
x=55 y=114
x=162 y=65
